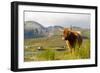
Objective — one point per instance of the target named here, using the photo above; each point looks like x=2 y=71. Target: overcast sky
x=61 y=19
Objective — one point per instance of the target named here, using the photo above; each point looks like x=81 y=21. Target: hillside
x=33 y=29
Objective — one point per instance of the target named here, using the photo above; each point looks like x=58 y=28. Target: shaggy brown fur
x=72 y=38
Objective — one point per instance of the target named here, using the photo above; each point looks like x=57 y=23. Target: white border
x=22 y=64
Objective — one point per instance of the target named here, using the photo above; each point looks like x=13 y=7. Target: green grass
x=50 y=53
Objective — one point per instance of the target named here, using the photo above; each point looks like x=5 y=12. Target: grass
x=50 y=53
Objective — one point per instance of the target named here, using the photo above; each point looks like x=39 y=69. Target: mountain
x=31 y=25
x=34 y=29
x=55 y=30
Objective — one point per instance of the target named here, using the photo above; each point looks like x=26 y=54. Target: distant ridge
x=33 y=29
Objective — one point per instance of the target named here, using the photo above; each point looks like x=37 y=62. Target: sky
x=58 y=19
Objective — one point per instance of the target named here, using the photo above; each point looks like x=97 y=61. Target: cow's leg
x=69 y=46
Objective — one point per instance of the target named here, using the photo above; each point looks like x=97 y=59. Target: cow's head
x=66 y=32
